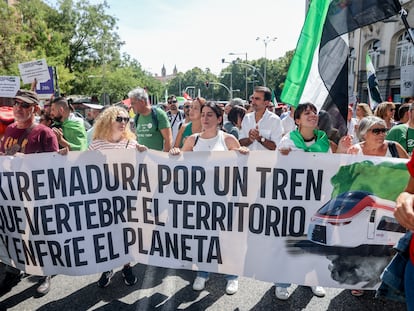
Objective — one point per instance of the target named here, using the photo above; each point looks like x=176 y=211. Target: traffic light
x=207 y=84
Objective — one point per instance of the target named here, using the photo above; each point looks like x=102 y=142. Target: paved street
x=166 y=289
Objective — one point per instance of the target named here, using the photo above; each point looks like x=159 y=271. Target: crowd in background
x=201 y=125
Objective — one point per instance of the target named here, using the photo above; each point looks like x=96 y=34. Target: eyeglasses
x=121 y=119
x=172 y=101
x=378 y=131
x=21 y=104
x=187 y=107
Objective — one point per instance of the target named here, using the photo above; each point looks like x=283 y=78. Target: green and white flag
x=319 y=69
x=372 y=84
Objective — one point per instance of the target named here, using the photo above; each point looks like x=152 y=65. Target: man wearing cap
x=25 y=136
x=92 y=112
x=70 y=134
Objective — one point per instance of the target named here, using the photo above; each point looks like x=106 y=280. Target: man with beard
x=25 y=136
x=70 y=133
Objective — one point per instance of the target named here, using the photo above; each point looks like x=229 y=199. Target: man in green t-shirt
x=404 y=133
x=69 y=130
x=152 y=126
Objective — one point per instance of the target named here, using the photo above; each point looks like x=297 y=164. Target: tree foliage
x=80 y=40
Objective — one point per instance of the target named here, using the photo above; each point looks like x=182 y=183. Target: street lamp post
x=265 y=40
x=231 y=53
x=231 y=83
x=247 y=65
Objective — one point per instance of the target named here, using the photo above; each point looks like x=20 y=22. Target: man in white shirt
x=175 y=115
x=261 y=129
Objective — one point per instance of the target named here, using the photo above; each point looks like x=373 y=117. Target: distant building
x=392 y=55
x=164 y=78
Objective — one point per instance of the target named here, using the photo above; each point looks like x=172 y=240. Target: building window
x=374 y=51
x=404 y=51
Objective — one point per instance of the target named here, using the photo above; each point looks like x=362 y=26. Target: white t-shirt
x=288 y=124
x=270 y=127
x=175 y=120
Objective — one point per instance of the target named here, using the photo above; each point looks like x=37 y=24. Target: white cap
x=93 y=106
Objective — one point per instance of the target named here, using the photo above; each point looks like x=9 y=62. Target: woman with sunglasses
x=371 y=133
x=386 y=111
x=112 y=131
x=212 y=138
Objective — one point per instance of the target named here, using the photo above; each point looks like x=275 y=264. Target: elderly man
x=25 y=136
x=151 y=124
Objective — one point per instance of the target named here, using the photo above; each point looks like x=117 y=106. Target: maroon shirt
x=40 y=139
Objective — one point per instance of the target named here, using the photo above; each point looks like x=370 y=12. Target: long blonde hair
x=103 y=124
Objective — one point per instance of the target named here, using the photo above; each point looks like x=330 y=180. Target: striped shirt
x=100 y=144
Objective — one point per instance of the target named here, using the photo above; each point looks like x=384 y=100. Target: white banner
x=35 y=69
x=9 y=85
x=304 y=218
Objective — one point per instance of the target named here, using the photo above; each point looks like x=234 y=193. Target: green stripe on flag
x=305 y=50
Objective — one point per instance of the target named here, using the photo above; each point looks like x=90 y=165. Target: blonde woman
x=112 y=131
x=362 y=110
x=386 y=111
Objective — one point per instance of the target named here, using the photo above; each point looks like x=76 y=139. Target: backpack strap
x=196 y=139
x=393 y=149
x=153 y=116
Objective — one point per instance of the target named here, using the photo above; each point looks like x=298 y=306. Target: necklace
x=309 y=140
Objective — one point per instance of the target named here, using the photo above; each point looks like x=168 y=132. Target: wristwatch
x=262 y=140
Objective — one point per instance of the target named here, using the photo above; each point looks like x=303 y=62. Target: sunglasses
x=21 y=104
x=257 y=98
x=172 y=101
x=121 y=119
x=378 y=131
x=187 y=107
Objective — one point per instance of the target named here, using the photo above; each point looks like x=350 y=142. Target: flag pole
x=403 y=14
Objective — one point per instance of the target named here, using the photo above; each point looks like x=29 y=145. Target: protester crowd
x=256 y=124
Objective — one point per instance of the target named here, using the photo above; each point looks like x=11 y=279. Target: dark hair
x=62 y=102
x=265 y=90
x=402 y=110
x=214 y=106
x=235 y=112
x=301 y=108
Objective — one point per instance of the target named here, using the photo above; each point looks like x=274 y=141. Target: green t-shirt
x=74 y=132
x=403 y=135
x=147 y=133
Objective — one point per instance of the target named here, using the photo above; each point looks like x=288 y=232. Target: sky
x=196 y=33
